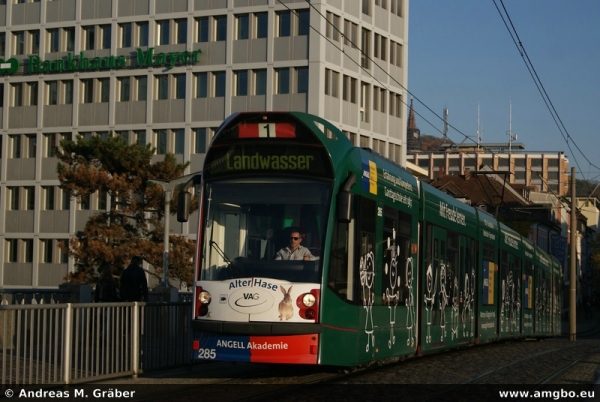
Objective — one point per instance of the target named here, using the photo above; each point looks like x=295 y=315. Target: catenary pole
x=573 y=264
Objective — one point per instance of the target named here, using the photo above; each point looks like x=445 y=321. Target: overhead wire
x=385 y=72
x=517 y=42
x=540 y=86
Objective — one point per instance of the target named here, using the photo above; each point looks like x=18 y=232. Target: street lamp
x=168 y=186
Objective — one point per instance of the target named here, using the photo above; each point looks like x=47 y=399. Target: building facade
x=166 y=73
x=546 y=171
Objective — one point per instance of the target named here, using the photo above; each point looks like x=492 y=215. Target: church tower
x=413 y=134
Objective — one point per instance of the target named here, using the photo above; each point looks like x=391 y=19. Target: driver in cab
x=295 y=251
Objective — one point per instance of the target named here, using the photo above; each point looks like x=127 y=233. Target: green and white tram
x=387 y=267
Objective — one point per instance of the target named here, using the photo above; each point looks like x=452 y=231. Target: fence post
x=67 y=339
x=135 y=343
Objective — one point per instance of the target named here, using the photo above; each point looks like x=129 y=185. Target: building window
x=140 y=137
x=69 y=39
x=33 y=93
x=89 y=37
x=67 y=87
x=15 y=141
x=12 y=247
x=162 y=87
x=282 y=76
x=303 y=22
x=34 y=37
x=219 y=81
x=53 y=40
x=125 y=30
x=220 y=28
x=396 y=7
x=19 y=41
x=179 y=86
x=332 y=30
x=124 y=89
x=350 y=33
x=87 y=90
x=66 y=200
x=201 y=85
x=302 y=80
x=47 y=251
x=366 y=7
x=85 y=202
x=142 y=88
x=13 y=198
x=181 y=26
x=332 y=83
x=28 y=250
x=102 y=202
x=105 y=31
x=261 y=24
x=51 y=144
x=179 y=141
x=52 y=90
x=364 y=101
x=162 y=32
x=240 y=83
x=31 y=145
x=48 y=197
x=142 y=28
x=17 y=90
x=161 y=142
x=2 y=43
x=284 y=22
x=260 y=82
x=104 y=89
x=395 y=54
x=64 y=257
x=349 y=89
x=366 y=48
x=200 y=140
x=203 y=29
x=242 y=23
x=29 y=198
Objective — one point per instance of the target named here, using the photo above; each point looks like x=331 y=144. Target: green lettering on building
x=143 y=59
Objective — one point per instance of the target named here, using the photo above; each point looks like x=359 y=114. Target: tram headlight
x=204 y=297
x=309 y=299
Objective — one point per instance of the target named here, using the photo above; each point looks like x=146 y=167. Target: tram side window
x=528 y=285
x=452 y=268
x=398 y=275
x=466 y=280
x=366 y=221
x=489 y=274
x=341 y=267
x=351 y=274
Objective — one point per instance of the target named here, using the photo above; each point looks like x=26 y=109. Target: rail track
x=526 y=365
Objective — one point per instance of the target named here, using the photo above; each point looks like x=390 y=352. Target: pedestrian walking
x=106 y=288
x=134 y=286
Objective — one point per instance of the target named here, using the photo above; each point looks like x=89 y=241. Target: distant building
x=546 y=171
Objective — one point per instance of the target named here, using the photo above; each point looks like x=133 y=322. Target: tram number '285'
x=207 y=354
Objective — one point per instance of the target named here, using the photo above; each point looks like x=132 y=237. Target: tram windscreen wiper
x=222 y=254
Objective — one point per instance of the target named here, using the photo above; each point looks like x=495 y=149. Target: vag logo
x=9 y=66
x=251 y=301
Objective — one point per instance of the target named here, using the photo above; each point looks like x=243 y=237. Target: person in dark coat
x=134 y=286
x=106 y=288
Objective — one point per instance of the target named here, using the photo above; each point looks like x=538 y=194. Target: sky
x=461 y=57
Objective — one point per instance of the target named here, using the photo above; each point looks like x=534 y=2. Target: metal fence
x=72 y=343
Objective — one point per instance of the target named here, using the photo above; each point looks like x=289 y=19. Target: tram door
x=510 y=295
x=435 y=296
